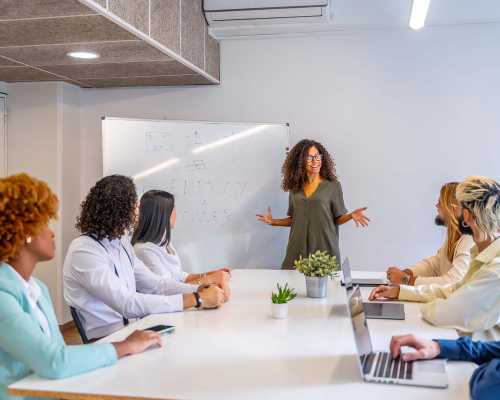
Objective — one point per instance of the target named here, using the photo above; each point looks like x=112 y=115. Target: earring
x=464 y=224
x=28 y=240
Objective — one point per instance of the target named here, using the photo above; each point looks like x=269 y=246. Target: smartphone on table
x=161 y=329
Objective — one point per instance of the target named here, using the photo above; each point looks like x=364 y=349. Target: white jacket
x=472 y=306
x=438 y=269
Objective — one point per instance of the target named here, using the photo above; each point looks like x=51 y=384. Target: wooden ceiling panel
x=112 y=70
x=109 y=52
x=91 y=28
x=23 y=9
x=172 y=80
x=37 y=35
x=25 y=74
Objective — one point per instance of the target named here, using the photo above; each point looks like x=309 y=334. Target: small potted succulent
x=280 y=301
x=317 y=268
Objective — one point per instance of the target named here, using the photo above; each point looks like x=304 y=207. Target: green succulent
x=318 y=264
x=284 y=295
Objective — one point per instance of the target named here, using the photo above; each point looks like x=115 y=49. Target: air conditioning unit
x=231 y=13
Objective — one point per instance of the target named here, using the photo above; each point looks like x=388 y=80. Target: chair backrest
x=79 y=325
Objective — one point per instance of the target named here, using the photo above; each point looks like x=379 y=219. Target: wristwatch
x=199 y=302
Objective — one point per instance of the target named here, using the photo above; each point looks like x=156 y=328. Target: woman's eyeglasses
x=317 y=157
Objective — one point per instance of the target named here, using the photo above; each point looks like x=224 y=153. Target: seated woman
x=452 y=260
x=472 y=306
x=30 y=340
x=153 y=245
x=103 y=278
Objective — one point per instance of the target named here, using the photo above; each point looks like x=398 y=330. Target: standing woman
x=316 y=203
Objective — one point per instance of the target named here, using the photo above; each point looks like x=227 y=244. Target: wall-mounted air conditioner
x=226 y=13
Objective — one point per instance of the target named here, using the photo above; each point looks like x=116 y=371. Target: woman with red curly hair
x=316 y=203
x=30 y=340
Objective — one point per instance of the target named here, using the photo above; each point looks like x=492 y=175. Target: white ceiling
x=371 y=14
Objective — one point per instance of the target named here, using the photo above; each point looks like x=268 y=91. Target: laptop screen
x=346 y=272
x=359 y=325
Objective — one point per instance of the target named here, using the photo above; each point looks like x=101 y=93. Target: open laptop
x=362 y=281
x=380 y=367
x=374 y=310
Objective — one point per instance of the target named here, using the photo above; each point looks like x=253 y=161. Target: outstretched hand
x=266 y=218
x=359 y=217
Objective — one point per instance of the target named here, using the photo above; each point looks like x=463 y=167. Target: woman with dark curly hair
x=103 y=278
x=316 y=203
x=30 y=340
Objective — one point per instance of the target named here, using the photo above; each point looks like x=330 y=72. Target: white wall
x=43 y=140
x=402 y=112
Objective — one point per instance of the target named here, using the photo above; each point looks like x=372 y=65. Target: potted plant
x=280 y=301
x=317 y=268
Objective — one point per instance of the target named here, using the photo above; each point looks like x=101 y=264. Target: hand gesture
x=425 y=349
x=386 y=292
x=359 y=217
x=266 y=218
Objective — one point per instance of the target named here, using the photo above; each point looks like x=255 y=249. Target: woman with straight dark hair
x=153 y=245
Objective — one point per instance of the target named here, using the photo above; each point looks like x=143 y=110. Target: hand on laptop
x=395 y=275
x=424 y=349
x=384 y=292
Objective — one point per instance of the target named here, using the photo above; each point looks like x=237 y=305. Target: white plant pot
x=279 y=311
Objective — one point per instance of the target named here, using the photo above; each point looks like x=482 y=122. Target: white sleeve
x=148 y=282
x=473 y=307
x=91 y=270
x=426 y=293
x=151 y=260
x=460 y=265
x=427 y=267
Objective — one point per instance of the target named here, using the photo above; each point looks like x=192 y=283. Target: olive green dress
x=313 y=222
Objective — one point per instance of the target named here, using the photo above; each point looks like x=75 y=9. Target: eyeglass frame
x=317 y=157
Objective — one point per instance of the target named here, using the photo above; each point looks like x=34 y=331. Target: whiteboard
x=221 y=175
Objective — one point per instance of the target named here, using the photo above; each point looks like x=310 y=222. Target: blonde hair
x=26 y=205
x=447 y=201
x=481 y=196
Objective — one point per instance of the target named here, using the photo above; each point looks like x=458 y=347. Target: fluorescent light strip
x=156 y=168
x=419 y=9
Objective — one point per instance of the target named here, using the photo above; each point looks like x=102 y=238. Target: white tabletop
x=240 y=352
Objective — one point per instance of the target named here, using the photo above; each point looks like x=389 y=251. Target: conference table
x=240 y=352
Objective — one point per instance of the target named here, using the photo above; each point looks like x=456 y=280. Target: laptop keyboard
x=386 y=366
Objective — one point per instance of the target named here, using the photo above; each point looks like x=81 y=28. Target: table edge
x=75 y=396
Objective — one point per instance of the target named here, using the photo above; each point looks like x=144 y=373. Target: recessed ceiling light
x=418 y=13
x=83 y=54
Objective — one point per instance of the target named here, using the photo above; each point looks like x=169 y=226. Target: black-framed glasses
x=317 y=157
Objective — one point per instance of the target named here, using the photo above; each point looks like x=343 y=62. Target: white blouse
x=163 y=262
x=437 y=269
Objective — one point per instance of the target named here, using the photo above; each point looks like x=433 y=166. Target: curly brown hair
x=294 y=167
x=108 y=210
x=26 y=206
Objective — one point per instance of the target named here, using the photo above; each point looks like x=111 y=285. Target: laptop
x=374 y=310
x=380 y=367
x=362 y=281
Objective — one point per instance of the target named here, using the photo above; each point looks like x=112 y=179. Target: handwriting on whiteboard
x=157 y=141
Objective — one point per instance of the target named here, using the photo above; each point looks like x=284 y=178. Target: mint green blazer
x=25 y=349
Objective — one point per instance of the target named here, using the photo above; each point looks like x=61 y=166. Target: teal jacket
x=25 y=349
